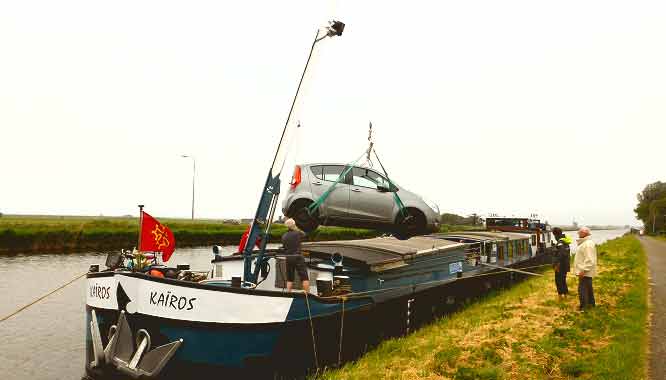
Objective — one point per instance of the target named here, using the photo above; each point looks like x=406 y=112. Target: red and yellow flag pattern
x=156 y=237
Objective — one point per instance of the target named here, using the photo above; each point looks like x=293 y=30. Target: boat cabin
x=541 y=236
x=497 y=248
x=360 y=265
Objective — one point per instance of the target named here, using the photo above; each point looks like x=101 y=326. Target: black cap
x=557 y=231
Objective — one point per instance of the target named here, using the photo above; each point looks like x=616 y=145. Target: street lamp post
x=194 y=172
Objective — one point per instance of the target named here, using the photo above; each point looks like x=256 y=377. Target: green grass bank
x=23 y=234
x=525 y=332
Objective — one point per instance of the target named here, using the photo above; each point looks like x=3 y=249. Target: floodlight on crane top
x=335 y=28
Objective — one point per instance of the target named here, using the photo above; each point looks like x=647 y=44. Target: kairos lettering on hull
x=157 y=298
x=101 y=293
x=172 y=301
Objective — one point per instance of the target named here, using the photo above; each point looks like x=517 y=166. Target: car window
x=331 y=172
x=368 y=178
x=317 y=171
x=360 y=177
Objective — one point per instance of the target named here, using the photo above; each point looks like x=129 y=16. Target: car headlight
x=432 y=205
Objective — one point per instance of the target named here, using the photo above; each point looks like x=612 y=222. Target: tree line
x=459 y=220
x=651 y=208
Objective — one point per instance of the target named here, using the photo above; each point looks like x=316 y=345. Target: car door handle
x=316 y=183
x=356 y=190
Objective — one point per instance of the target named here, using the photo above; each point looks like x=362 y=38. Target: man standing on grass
x=585 y=267
x=561 y=261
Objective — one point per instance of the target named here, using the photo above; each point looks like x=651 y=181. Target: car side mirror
x=383 y=189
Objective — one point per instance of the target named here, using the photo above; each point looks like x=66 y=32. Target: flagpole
x=140 y=225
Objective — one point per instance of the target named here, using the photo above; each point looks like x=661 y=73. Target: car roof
x=357 y=166
x=336 y=164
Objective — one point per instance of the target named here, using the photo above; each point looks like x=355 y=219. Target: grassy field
x=23 y=234
x=26 y=234
x=527 y=333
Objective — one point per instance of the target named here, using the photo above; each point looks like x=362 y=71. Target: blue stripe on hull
x=224 y=348
x=299 y=308
x=211 y=344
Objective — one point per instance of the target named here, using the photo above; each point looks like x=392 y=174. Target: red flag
x=243 y=241
x=156 y=237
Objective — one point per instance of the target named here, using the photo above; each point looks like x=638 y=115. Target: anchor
x=102 y=356
x=120 y=352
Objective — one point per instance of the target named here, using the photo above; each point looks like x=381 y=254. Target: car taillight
x=296 y=178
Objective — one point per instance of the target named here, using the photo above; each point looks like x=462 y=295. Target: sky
x=511 y=107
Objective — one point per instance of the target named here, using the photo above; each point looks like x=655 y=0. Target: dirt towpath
x=656 y=253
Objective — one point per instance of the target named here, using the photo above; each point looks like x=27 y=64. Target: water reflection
x=46 y=341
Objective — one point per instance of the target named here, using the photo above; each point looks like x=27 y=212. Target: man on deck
x=585 y=267
x=291 y=242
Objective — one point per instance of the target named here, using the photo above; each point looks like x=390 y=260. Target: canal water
x=46 y=341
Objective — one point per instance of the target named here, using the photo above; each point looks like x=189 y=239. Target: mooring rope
x=42 y=297
x=511 y=269
x=314 y=342
x=537 y=266
x=342 y=325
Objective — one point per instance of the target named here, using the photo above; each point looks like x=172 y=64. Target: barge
x=363 y=291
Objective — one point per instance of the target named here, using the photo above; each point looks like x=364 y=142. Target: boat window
x=332 y=172
x=506 y=222
x=368 y=178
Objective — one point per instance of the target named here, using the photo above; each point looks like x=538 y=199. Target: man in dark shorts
x=291 y=241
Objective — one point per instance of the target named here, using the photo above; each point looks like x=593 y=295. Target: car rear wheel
x=304 y=220
x=409 y=225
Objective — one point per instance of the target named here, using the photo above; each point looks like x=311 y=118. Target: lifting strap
x=396 y=197
x=401 y=206
x=314 y=206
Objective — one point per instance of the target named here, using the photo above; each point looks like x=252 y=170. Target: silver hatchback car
x=362 y=199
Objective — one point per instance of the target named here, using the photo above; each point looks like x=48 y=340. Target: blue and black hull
x=315 y=333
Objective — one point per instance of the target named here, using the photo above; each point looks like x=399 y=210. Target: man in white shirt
x=585 y=267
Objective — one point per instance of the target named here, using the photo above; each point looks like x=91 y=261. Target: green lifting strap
x=396 y=197
x=313 y=207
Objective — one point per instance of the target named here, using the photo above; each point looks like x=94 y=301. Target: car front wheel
x=409 y=225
